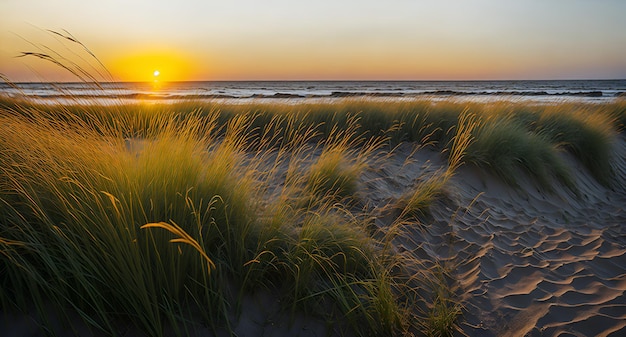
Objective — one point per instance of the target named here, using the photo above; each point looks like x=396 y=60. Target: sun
x=152 y=64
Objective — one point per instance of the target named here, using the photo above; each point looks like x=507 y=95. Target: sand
x=527 y=261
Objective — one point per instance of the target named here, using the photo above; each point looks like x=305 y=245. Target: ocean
x=244 y=91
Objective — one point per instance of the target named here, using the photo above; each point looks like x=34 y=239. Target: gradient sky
x=323 y=39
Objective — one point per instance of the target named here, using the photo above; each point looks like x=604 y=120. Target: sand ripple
x=531 y=262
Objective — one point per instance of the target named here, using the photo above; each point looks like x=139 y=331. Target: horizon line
x=334 y=80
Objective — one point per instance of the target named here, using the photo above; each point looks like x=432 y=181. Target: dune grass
x=149 y=230
x=513 y=135
x=79 y=196
x=586 y=135
x=419 y=199
x=162 y=216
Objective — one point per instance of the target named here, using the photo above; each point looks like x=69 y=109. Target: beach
x=329 y=168
x=537 y=248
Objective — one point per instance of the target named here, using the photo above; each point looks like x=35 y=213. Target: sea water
x=294 y=91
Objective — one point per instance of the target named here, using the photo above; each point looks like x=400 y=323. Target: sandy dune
x=529 y=262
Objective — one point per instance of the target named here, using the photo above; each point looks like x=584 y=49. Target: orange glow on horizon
x=411 y=40
x=153 y=65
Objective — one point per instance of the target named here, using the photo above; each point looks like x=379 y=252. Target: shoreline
x=113 y=100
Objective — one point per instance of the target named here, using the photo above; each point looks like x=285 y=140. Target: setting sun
x=151 y=65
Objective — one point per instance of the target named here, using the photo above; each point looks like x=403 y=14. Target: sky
x=186 y=40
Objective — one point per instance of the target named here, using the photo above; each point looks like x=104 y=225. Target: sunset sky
x=320 y=40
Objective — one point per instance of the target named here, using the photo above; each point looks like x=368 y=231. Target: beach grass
x=142 y=229
x=585 y=130
x=160 y=216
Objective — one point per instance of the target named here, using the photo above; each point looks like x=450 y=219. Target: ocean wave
x=334 y=94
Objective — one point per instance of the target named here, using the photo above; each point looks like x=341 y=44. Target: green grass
x=503 y=147
x=585 y=130
x=79 y=201
x=144 y=230
x=161 y=216
x=444 y=309
x=585 y=134
x=419 y=199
